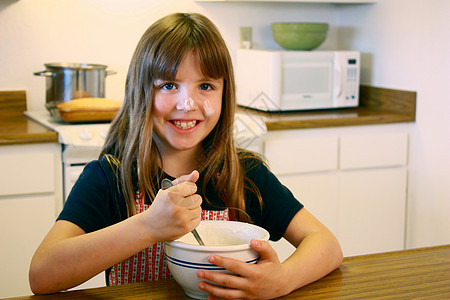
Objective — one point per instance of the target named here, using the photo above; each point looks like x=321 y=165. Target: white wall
x=406 y=44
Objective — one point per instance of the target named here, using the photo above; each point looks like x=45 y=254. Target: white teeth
x=185 y=125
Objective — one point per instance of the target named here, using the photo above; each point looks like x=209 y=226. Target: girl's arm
x=68 y=256
x=317 y=251
x=317 y=254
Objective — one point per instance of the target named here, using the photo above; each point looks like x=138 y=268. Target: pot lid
x=77 y=66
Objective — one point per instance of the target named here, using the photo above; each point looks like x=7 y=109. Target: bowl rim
x=182 y=245
x=300 y=27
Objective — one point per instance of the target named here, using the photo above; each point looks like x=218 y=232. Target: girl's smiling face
x=186 y=109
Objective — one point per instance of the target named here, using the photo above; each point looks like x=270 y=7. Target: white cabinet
x=371 y=210
x=353 y=179
x=29 y=191
x=319 y=193
x=375 y=149
x=309 y=154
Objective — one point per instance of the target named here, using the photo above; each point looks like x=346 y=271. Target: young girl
x=177 y=123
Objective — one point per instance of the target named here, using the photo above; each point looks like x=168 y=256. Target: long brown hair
x=158 y=55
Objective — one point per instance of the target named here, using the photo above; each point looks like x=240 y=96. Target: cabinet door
x=372 y=210
x=318 y=192
x=373 y=150
x=26 y=170
x=25 y=221
x=293 y=155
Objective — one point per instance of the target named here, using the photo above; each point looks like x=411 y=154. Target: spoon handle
x=165 y=184
x=197 y=237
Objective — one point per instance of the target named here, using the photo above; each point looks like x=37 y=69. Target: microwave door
x=307 y=85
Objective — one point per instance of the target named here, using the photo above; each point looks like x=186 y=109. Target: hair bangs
x=189 y=36
x=165 y=65
x=212 y=63
x=212 y=55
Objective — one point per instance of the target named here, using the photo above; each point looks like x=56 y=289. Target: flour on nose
x=187 y=105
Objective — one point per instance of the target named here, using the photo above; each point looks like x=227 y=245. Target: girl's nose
x=186 y=104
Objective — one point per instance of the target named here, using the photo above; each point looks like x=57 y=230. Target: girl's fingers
x=236 y=266
x=183 y=189
x=192 y=177
x=183 y=194
x=225 y=280
x=191 y=202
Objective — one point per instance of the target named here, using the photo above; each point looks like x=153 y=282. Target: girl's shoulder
x=105 y=169
x=251 y=161
x=110 y=162
x=102 y=167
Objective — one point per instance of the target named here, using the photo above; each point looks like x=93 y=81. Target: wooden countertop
x=419 y=273
x=377 y=106
x=15 y=128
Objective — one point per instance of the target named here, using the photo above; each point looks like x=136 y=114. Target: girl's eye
x=205 y=86
x=168 y=86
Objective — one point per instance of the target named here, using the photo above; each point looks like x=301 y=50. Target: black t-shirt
x=96 y=202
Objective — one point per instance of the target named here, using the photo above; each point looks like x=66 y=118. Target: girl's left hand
x=263 y=280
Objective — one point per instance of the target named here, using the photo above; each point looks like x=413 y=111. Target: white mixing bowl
x=225 y=238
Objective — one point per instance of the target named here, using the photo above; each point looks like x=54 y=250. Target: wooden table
x=410 y=274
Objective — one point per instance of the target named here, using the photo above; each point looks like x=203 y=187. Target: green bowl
x=299 y=36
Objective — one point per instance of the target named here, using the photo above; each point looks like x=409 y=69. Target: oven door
x=74 y=159
x=71 y=174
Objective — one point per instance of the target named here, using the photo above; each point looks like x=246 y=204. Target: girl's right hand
x=176 y=210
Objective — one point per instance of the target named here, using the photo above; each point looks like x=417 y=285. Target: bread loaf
x=90 y=104
x=88 y=110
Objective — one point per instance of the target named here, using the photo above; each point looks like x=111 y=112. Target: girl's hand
x=263 y=280
x=174 y=211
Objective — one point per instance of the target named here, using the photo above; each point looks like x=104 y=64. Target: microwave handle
x=337 y=89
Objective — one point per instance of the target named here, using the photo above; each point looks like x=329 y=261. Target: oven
x=74 y=160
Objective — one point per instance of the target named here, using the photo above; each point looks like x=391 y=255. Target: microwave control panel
x=352 y=79
x=349 y=64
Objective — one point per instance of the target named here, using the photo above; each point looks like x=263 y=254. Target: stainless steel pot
x=68 y=81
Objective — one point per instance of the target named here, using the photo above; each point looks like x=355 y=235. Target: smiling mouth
x=185 y=124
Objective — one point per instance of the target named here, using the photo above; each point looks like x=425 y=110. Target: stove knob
x=85 y=135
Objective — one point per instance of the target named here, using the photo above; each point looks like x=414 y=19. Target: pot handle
x=109 y=72
x=44 y=73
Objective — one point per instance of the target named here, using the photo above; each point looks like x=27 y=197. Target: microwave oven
x=272 y=80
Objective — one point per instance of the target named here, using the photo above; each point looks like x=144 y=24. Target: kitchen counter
x=409 y=274
x=15 y=128
x=377 y=106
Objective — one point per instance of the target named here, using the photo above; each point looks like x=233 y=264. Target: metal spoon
x=165 y=184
